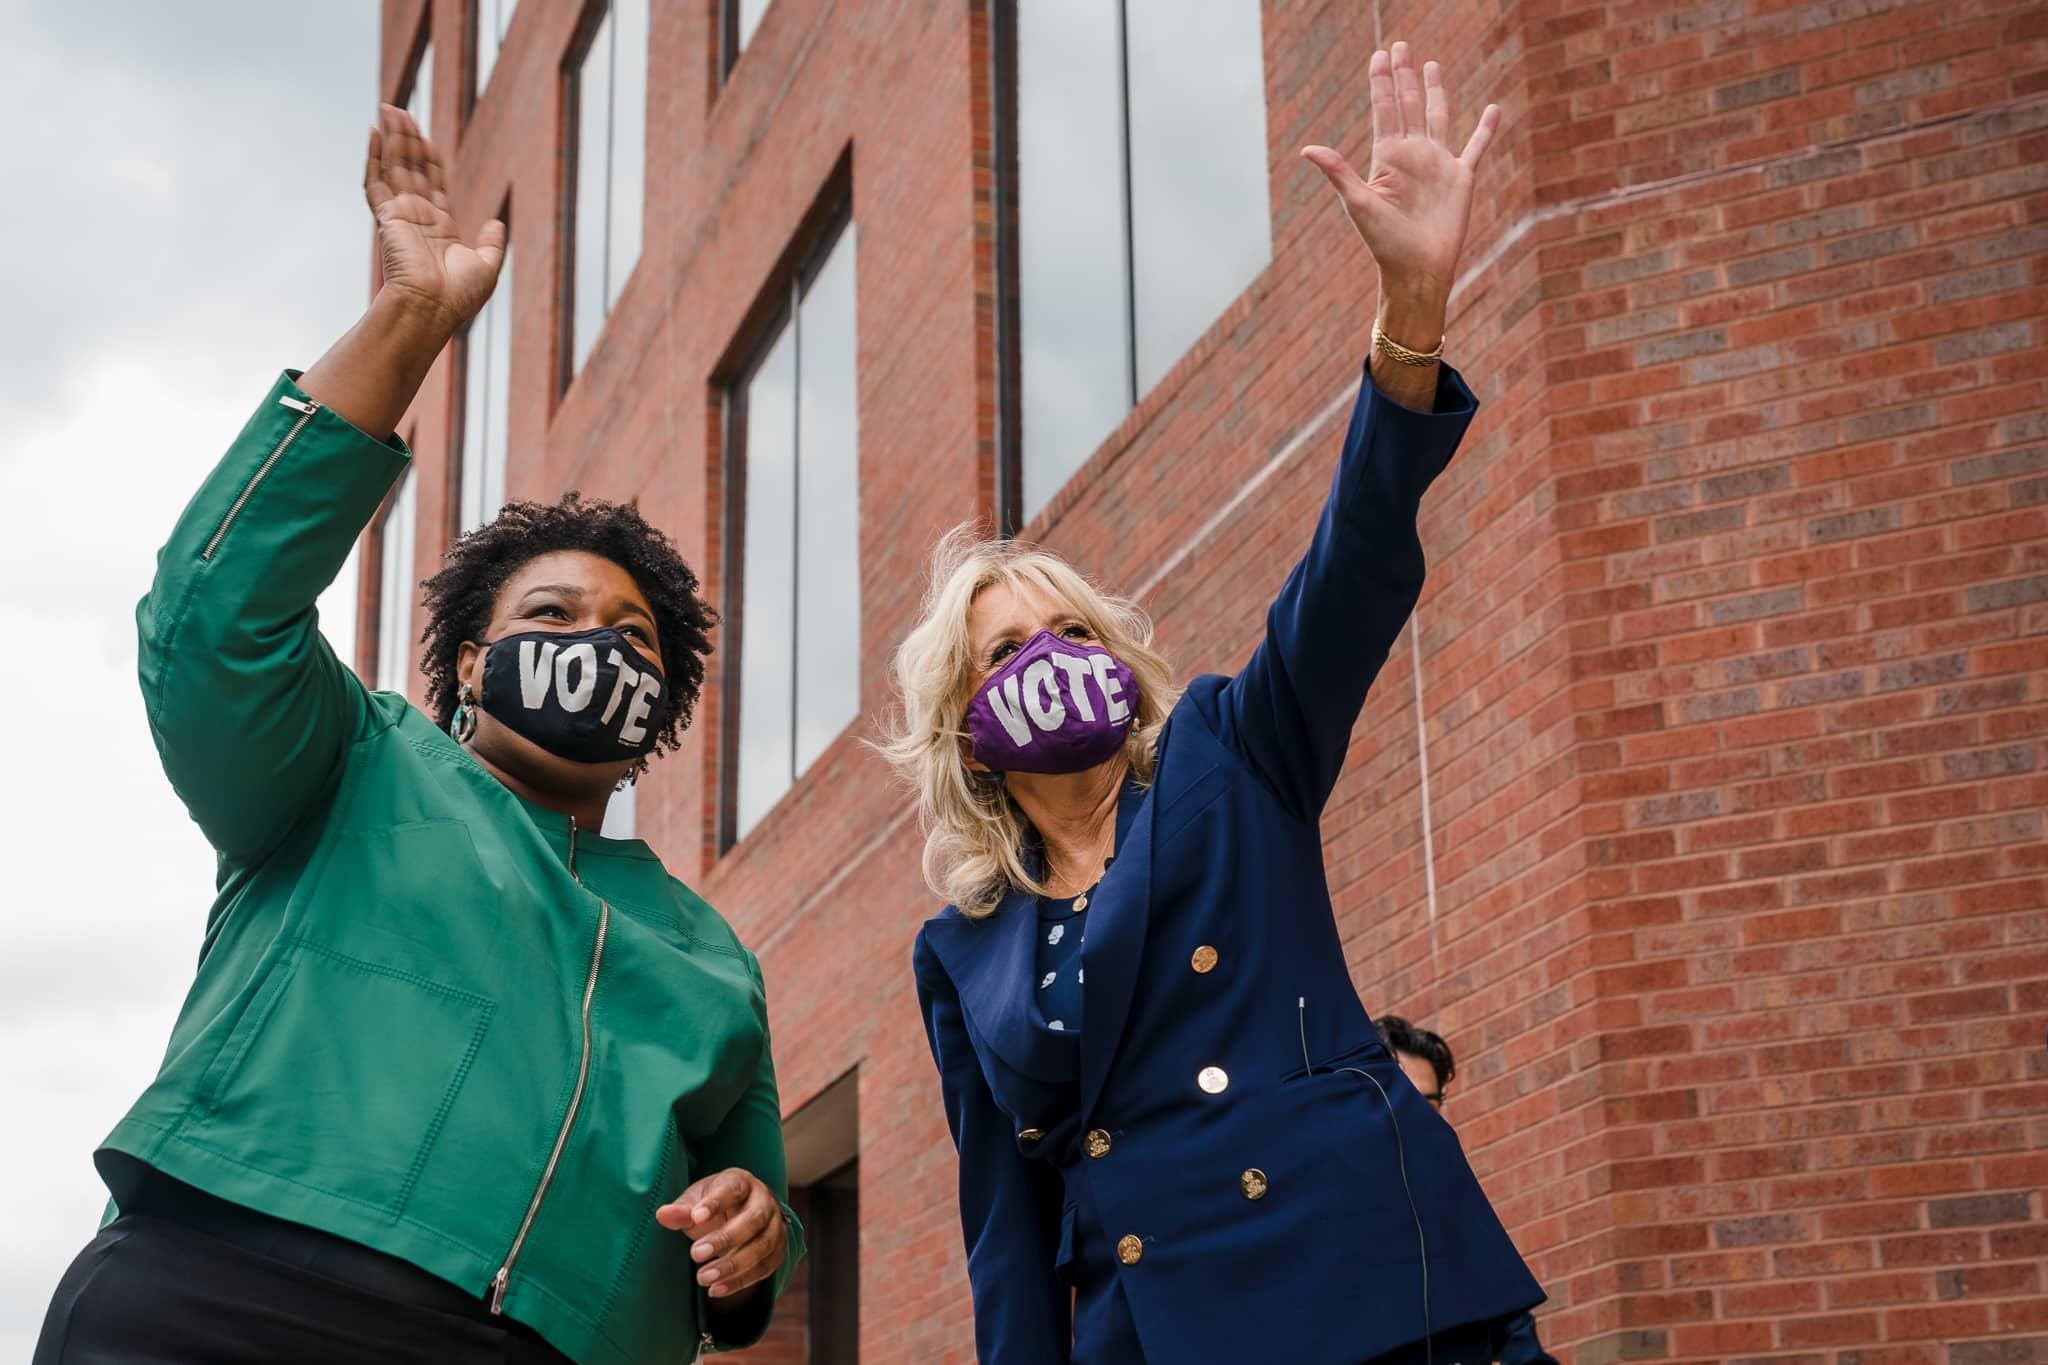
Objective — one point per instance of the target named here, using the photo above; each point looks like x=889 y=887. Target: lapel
x=1116 y=940
x=992 y=963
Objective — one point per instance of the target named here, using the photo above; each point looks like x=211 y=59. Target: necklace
x=1081 y=901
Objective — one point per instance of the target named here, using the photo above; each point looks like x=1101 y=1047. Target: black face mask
x=586 y=695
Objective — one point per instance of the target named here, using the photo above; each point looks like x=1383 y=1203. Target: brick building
x=1702 y=808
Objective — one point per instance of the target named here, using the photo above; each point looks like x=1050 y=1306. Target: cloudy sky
x=184 y=219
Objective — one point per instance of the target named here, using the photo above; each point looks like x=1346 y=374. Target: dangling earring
x=462 y=725
x=632 y=777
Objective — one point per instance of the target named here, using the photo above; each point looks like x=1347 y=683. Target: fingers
x=1436 y=104
x=1475 y=146
x=1386 y=115
x=436 y=172
x=747 y=1249
x=1336 y=170
x=374 y=188
x=407 y=164
x=1408 y=91
x=737 y=1227
x=706 y=1203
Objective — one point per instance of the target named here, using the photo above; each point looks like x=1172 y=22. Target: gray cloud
x=185 y=167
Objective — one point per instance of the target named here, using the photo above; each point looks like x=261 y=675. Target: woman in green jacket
x=458 y=1080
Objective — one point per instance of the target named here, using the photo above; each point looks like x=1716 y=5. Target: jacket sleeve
x=250 y=710
x=1009 y=1206
x=1290 y=711
x=750 y=1139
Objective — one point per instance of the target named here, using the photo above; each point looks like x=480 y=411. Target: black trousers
x=200 y=1281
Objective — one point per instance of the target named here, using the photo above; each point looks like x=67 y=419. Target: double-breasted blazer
x=1274 y=1187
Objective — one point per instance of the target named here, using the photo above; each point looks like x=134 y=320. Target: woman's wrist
x=369 y=377
x=1412 y=311
x=409 y=323
x=1411 y=315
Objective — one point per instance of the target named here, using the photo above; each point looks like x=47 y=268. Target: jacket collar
x=992 y=963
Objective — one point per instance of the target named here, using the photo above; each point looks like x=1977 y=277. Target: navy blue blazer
x=1267 y=1204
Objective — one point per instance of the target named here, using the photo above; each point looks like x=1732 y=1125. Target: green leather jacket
x=429 y=1016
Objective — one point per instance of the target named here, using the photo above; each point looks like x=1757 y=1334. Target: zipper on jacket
x=503 y=1279
x=305 y=407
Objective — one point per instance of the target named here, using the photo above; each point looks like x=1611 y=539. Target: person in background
x=458 y=1080
x=1427 y=1062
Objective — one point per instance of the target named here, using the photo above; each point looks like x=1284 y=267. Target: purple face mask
x=1053 y=707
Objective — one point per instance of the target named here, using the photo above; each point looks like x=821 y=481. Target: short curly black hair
x=461 y=597
x=1402 y=1036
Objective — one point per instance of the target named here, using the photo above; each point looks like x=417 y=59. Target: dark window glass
x=1200 y=227
x=1141 y=205
x=796 y=448
x=834 y=1297
x=608 y=197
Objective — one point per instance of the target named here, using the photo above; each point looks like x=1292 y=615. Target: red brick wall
x=1731 y=661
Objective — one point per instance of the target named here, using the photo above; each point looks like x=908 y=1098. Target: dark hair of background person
x=1402 y=1036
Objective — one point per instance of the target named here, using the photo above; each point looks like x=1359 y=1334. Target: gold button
x=1213 y=1079
x=1096 y=1143
x=1204 y=959
x=1130 y=1250
x=1253 y=1183
x=1031 y=1135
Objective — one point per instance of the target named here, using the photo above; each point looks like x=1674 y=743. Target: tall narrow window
x=486 y=380
x=420 y=101
x=737 y=21
x=395 y=589
x=608 y=95
x=794 y=449
x=489 y=19
x=1141 y=204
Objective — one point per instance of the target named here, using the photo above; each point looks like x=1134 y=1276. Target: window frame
x=1007 y=293
x=776 y=310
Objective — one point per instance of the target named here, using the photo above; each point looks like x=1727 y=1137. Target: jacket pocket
x=340 y=1075
x=1372 y=1050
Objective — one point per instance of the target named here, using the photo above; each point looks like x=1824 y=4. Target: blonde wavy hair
x=975 y=835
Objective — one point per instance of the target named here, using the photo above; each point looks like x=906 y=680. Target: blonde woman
x=1180 y=1137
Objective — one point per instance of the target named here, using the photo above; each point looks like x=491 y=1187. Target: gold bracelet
x=1397 y=352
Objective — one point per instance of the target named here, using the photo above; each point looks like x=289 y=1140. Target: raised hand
x=423 y=255
x=1413 y=207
